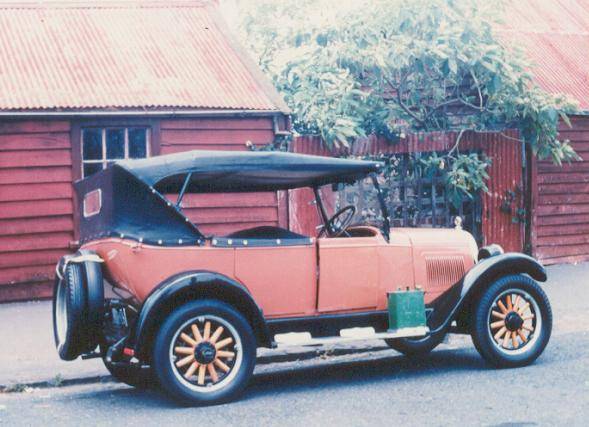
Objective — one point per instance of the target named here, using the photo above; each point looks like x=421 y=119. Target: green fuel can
x=406 y=309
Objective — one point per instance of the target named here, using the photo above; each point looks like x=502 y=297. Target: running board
x=347 y=335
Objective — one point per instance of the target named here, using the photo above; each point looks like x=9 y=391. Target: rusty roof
x=125 y=55
x=554 y=34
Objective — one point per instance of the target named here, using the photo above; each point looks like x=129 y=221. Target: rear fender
x=448 y=306
x=188 y=286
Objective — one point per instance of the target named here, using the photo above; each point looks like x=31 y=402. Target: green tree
x=350 y=69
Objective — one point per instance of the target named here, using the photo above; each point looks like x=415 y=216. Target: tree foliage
x=350 y=69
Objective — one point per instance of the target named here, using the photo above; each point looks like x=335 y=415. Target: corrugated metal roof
x=125 y=55
x=555 y=36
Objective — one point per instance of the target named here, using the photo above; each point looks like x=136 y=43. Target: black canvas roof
x=227 y=171
x=131 y=192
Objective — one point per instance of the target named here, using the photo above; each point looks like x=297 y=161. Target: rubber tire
x=75 y=341
x=416 y=347
x=164 y=370
x=94 y=301
x=142 y=379
x=479 y=322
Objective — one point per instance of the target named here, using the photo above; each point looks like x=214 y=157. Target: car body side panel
x=348 y=273
x=395 y=265
x=140 y=268
x=441 y=258
x=282 y=280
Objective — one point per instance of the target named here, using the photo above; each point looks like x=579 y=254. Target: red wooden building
x=555 y=36
x=84 y=84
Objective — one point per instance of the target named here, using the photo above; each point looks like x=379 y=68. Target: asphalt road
x=453 y=386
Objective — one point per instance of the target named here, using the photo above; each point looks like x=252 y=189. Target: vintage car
x=164 y=304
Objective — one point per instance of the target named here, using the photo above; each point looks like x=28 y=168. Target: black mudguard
x=191 y=285
x=450 y=304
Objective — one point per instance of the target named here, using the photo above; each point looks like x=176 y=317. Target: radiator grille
x=443 y=271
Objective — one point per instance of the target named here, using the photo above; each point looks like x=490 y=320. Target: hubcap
x=514 y=321
x=205 y=353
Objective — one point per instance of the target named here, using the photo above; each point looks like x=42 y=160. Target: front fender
x=182 y=288
x=448 y=305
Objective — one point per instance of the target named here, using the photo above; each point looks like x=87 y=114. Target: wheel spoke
x=498 y=315
x=502 y=307
x=522 y=336
x=516 y=303
x=212 y=372
x=185 y=361
x=207 y=332
x=509 y=305
x=226 y=354
x=497 y=324
x=514 y=340
x=186 y=338
x=196 y=333
x=528 y=328
x=184 y=350
x=506 y=339
x=223 y=343
x=528 y=317
x=499 y=334
x=221 y=365
x=523 y=309
x=201 y=374
x=191 y=370
x=217 y=334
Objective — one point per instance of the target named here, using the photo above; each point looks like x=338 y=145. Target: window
x=103 y=146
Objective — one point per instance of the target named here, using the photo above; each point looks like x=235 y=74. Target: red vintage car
x=164 y=304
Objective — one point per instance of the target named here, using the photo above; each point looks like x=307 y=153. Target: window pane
x=92 y=144
x=90 y=168
x=137 y=143
x=115 y=143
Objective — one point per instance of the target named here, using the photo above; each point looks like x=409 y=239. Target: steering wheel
x=337 y=224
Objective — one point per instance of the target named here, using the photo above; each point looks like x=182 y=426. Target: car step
x=346 y=335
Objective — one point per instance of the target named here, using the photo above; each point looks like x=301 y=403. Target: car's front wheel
x=204 y=353
x=512 y=322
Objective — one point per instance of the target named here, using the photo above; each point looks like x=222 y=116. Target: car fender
x=452 y=302
x=191 y=285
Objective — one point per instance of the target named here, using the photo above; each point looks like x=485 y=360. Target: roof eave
x=139 y=113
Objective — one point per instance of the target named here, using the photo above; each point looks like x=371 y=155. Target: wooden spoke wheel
x=205 y=351
x=513 y=320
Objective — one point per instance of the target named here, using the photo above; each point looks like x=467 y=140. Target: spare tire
x=95 y=301
x=78 y=306
x=69 y=301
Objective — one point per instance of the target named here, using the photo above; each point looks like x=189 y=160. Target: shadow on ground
x=326 y=374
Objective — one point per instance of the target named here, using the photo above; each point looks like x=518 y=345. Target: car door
x=348 y=273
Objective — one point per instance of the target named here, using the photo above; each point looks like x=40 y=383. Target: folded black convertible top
x=230 y=171
x=127 y=199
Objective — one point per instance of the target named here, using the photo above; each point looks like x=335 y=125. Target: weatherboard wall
x=38 y=165
x=561 y=202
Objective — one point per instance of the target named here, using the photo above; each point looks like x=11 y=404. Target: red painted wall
x=36 y=210
x=36 y=207
x=561 y=202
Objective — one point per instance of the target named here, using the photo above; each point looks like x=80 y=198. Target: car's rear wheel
x=204 y=353
x=512 y=322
